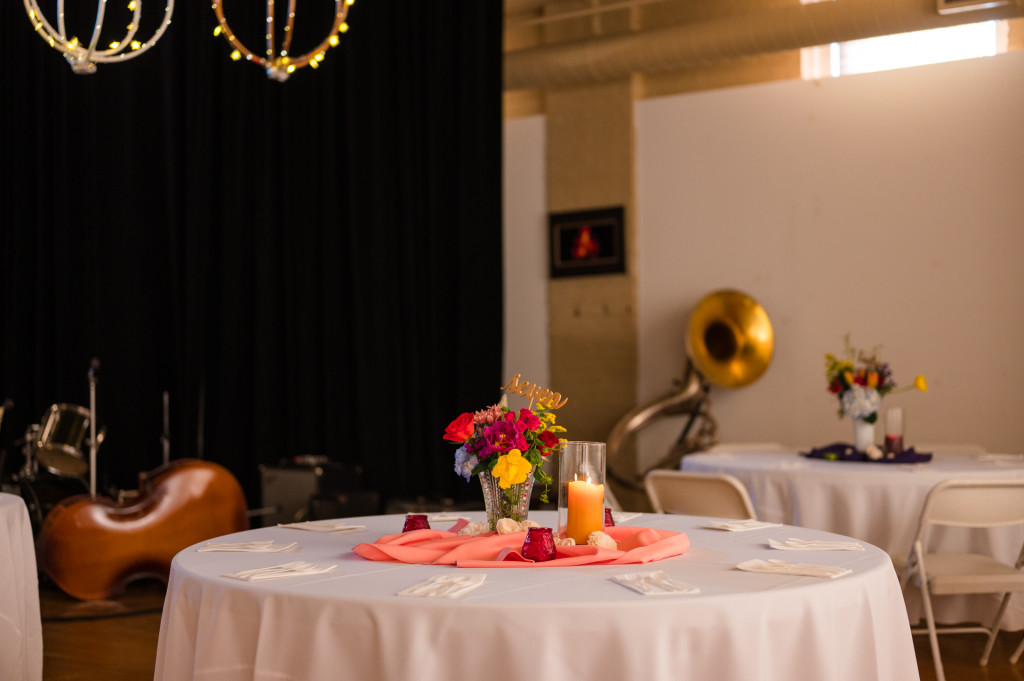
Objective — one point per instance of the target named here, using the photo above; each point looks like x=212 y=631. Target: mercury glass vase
x=513 y=502
x=863 y=434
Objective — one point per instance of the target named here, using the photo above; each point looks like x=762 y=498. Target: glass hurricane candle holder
x=416 y=521
x=539 y=545
x=894 y=432
x=581 y=470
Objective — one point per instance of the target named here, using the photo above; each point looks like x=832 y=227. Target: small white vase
x=863 y=434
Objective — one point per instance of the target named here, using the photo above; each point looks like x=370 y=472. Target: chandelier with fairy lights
x=84 y=57
x=279 y=64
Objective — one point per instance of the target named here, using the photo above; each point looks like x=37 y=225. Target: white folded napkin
x=788 y=464
x=783 y=567
x=1000 y=458
x=297 y=569
x=655 y=583
x=267 y=546
x=444 y=517
x=323 y=526
x=815 y=545
x=445 y=586
x=624 y=516
x=741 y=525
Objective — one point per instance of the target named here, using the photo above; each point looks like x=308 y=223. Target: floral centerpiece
x=860 y=380
x=506 y=449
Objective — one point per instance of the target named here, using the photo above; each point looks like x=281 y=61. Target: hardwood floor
x=116 y=641
x=111 y=640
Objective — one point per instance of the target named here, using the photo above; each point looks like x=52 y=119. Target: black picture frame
x=587 y=242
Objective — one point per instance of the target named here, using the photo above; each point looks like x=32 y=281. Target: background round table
x=21 y=631
x=879 y=503
x=548 y=624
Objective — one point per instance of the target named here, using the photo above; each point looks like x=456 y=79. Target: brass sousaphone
x=729 y=342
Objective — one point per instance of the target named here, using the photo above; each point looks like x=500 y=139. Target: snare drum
x=58 y=445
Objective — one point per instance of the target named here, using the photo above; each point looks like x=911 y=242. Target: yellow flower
x=511 y=469
x=921 y=384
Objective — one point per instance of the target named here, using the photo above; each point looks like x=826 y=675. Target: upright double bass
x=92 y=546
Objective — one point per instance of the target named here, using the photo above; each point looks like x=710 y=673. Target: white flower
x=474 y=528
x=507 y=526
x=465 y=462
x=601 y=540
x=859 y=401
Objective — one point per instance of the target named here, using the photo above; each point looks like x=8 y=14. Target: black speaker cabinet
x=313 y=489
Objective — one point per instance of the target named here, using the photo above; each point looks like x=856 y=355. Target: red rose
x=548 y=439
x=461 y=429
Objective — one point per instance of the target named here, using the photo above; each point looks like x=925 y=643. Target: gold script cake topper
x=546 y=399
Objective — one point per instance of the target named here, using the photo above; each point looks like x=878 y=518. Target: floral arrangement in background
x=860 y=380
x=505 y=444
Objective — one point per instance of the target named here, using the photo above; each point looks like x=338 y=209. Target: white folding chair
x=718 y=495
x=972 y=504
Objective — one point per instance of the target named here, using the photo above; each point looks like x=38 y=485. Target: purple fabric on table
x=840 y=451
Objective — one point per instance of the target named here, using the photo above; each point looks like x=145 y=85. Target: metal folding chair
x=977 y=504
x=718 y=495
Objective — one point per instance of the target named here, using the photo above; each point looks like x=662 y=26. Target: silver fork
x=297 y=566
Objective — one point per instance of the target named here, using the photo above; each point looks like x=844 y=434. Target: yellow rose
x=921 y=384
x=511 y=469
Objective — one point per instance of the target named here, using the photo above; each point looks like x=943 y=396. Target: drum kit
x=55 y=464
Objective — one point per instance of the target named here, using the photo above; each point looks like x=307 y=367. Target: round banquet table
x=876 y=502
x=21 y=631
x=541 y=623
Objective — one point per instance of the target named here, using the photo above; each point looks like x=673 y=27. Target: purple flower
x=465 y=462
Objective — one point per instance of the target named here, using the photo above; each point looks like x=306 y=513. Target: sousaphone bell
x=729 y=342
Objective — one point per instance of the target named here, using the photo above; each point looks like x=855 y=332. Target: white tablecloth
x=543 y=624
x=21 y=631
x=879 y=503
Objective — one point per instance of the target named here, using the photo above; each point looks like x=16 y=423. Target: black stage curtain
x=310 y=267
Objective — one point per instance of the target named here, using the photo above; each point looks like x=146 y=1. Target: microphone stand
x=92 y=427
x=165 y=439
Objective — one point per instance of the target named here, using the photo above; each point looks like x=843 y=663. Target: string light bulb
x=280 y=64
x=83 y=59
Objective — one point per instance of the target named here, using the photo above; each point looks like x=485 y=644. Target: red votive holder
x=609 y=521
x=416 y=521
x=539 y=545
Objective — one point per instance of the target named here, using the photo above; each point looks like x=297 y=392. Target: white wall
x=888 y=205
x=525 y=251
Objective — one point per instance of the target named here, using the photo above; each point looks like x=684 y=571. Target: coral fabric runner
x=438 y=547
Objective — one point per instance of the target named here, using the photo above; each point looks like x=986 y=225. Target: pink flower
x=503 y=436
x=486 y=417
x=528 y=420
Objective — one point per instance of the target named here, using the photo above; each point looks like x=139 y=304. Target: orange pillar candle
x=586 y=510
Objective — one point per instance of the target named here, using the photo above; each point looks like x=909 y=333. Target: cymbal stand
x=28 y=447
